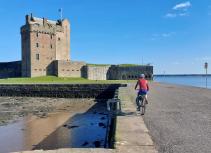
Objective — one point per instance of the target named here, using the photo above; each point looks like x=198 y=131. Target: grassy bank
x=54 y=79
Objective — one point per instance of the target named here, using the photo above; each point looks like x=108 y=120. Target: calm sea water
x=197 y=81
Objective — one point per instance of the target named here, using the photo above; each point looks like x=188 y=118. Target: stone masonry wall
x=129 y=73
x=98 y=91
x=97 y=72
x=68 y=68
x=10 y=69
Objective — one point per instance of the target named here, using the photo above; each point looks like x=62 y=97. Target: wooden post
x=206 y=67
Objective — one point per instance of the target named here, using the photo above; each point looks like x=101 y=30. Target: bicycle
x=141 y=103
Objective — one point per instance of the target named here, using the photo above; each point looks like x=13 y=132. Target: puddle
x=87 y=130
x=83 y=129
x=29 y=131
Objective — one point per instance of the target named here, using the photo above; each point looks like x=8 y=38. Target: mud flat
x=50 y=123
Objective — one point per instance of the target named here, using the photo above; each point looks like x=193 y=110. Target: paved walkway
x=132 y=136
x=179 y=118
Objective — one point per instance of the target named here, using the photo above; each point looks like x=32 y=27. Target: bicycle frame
x=141 y=103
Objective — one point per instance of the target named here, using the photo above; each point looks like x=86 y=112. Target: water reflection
x=29 y=131
x=82 y=129
x=86 y=130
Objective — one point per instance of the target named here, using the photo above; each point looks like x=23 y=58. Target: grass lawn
x=54 y=79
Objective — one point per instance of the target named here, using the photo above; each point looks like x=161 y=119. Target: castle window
x=37 y=44
x=37 y=34
x=59 y=39
x=35 y=69
x=51 y=36
x=44 y=69
x=40 y=69
x=68 y=70
x=37 y=56
x=51 y=46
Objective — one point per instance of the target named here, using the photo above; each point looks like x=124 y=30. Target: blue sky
x=174 y=36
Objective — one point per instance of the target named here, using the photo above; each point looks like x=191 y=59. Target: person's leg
x=146 y=99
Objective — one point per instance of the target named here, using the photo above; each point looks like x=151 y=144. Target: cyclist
x=143 y=86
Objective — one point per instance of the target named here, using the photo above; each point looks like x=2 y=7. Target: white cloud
x=182 y=6
x=179 y=10
x=183 y=14
x=162 y=35
x=167 y=34
x=171 y=15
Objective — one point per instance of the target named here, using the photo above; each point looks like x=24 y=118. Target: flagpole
x=61 y=14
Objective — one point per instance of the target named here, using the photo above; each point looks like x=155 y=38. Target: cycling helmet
x=142 y=76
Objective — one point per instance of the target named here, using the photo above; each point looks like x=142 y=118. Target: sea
x=190 y=80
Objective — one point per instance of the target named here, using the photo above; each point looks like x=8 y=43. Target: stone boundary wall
x=10 y=69
x=98 y=91
x=68 y=68
x=129 y=73
x=97 y=72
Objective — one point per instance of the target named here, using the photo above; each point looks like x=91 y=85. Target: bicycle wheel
x=143 y=107
x=138 y=103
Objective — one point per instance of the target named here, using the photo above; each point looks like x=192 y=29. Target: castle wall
x=10 y=69
x=96 y=72
x=129 y=73
x=63 y=42
x=46 y=50
x=26 y=54
x=68 y=68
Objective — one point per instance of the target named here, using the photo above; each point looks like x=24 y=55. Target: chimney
x=27 y=19
x=31 y=17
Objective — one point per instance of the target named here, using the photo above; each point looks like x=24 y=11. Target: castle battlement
x=43 y=25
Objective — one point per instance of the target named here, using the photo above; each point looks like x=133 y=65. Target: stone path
x=132 y=136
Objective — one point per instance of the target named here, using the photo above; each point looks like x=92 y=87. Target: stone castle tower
x=44 y=42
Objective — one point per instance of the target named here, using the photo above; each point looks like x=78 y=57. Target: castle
x=45 y=48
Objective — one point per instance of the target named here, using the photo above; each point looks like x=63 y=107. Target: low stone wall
x=98 y=91
x=97 y=72
x=10 y=69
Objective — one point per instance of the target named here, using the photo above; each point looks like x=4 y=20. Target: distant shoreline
x=172 y=75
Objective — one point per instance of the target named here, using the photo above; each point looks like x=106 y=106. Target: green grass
x=128 y=65
x=54 y=79
x=98 y=64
